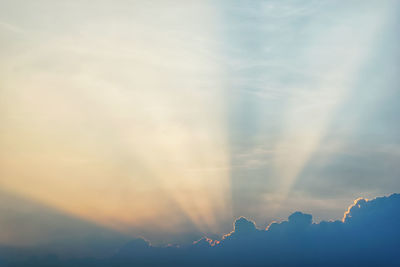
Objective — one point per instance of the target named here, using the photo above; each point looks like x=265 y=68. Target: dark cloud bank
x=369 y=235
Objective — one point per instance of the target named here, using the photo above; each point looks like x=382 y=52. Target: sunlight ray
x=310 y=109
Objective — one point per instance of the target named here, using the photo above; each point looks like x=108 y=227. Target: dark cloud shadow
x=30 y=228
x=368 y=235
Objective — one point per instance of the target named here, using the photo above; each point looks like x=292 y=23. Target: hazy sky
x=167 y=119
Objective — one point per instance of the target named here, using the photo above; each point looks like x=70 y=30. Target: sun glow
x=120 y=123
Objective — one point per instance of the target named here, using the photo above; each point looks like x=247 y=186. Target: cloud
x=242 y=227
x=368 y=235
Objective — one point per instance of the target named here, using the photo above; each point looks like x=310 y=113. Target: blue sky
x=317 y=82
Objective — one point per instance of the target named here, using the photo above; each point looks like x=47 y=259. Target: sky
x=169 y=119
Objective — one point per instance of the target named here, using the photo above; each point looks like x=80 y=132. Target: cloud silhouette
x=242 y=227
x=368 y=235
